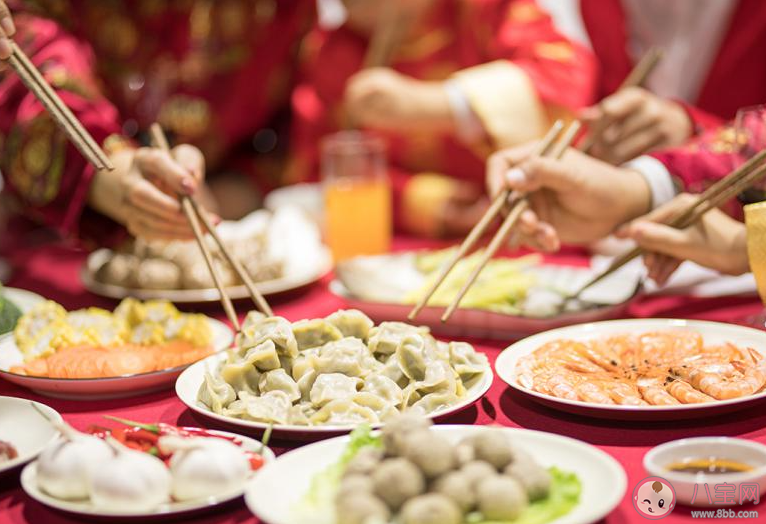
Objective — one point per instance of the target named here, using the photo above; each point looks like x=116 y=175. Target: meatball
x=433 y=508
x=493 y=447
x=456 y=486
x=501 y=498
x=464 y=452
x=361 y=508
x=364 y=461
x=355 y=484
x=155 y=273
x=397 y=480
x=476 y=471
x=120 y=270
x=398 y=427
x=535 y=478
x=433 y=454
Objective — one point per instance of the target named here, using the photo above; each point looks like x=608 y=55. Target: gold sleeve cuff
x=423 y=199
x=503 y=97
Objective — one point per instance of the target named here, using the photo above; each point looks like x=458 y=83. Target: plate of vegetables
x=138 y=470
x=512 y=298
x=413 y=473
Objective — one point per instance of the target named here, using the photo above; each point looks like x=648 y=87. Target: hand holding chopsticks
x=195 y=214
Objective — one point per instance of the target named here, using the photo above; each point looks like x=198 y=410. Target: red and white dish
x=100 y=388
x=25 y=429
x=171 y=509
x=188 y=385
x=274 y=496
x=376 y=284
x=712 y=333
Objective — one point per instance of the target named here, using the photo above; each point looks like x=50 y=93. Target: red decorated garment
x=213 y=73
x=478 y=43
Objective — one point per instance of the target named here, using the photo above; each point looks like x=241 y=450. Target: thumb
x=192 y=160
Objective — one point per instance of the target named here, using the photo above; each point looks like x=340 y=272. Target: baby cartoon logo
x=654 y=498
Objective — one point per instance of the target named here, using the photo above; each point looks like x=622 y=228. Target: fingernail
x=515 y=176
x=188 y=186
x=8 y=26
x=5 y=48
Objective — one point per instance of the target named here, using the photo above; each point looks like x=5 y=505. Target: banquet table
x=53 y=271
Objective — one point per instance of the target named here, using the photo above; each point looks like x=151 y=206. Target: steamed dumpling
x=351 y=323
x=314 y=333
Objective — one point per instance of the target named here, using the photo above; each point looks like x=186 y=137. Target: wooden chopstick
x=481 y=227
x=519 y=206
x=388 y=33
x=159 y=141
x=61 y=114
x=636 y=77
x=717 y=194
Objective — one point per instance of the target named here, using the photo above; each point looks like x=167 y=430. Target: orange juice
x=358 y=216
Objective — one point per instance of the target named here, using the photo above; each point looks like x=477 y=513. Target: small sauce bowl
x=658 y=459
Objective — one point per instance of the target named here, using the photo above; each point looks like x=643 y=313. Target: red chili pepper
x=133 y=445
x=256 y=460
x=119 y=435
x=140 y=434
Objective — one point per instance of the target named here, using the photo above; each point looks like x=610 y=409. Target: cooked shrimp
x=720 y=381
x=753 y=370
x=623 y=393
x=591 y=392
x=686 y=394
x=560 y=385
x=653 y=390
x=601 y=353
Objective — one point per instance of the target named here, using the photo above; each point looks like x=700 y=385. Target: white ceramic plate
x=712 y=333
x=288 y=282
x=188 y=384
x=24 y=299
x=274 y=494
x=376 y=285
x=100 y=388
x=86 y=509
x=25 y=429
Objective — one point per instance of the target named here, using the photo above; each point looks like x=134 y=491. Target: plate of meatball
x=412 y=472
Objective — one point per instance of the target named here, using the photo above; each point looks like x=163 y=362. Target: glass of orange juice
x=357 y=195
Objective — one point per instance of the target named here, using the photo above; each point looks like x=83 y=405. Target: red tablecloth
x=53 y=272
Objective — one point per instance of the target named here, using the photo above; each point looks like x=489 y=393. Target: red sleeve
x=525 y=35
x=40 y=166
x=702 y=121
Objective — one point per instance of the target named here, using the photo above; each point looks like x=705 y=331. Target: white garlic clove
x=131 y=481
x=204 y=467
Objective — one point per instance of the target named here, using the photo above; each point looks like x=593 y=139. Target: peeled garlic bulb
x=64 y=467
x=203 y=467
x=130 y=480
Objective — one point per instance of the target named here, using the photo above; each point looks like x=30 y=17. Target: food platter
x=284 y=247
x=25 y=429
x=713 y=333
x=189 y=382
x=172 y=509
x=100 y=388
x=374 y=285
x=276 y=492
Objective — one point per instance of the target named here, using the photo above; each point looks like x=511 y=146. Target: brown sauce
x=710 y=465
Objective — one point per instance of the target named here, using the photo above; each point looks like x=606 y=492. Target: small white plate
x=100 y=388
x=188 y=385
x=747 y=452
x=86 y=509
x=25 y=300
x=288 y=282
x=274 y=495
x=712 y=333
x=25 y=429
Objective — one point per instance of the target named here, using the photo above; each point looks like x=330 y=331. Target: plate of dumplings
x=281 y=251
x=323 y=376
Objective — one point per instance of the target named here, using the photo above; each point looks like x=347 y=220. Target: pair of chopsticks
x=61 y=114
x=195 y=214
x=388 y=34
x=553 y=145
x=716 y=195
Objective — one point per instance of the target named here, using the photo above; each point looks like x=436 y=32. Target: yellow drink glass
x=357 y=195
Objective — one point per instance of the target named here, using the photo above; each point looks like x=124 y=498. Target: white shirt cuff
x=657 y=176
x=469 y=127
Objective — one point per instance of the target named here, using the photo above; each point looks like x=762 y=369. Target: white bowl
x=739 y=450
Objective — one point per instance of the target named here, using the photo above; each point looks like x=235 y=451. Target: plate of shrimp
x=641 y=369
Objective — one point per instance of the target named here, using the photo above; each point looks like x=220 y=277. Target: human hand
x=7 y=30
x=716 y=241
x=634 y=121
x=576 y=200
x=142 y=191
x=461 y=211
x=384 y=99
